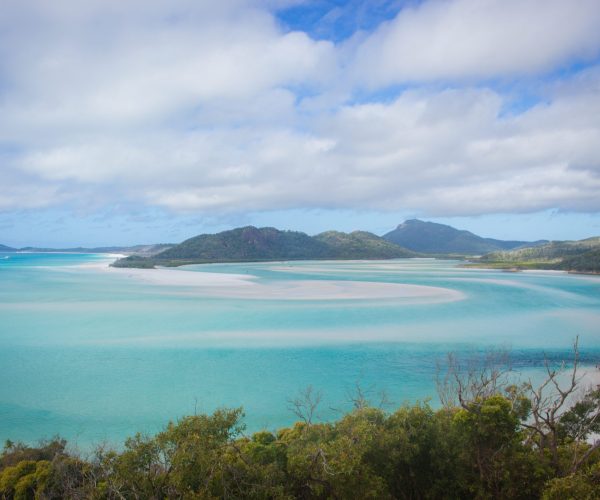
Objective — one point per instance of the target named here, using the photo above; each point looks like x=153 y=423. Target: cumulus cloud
x=110 y=63
x=464 y=39
x=213 y=107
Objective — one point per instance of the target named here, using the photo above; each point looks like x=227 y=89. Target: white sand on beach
x=177 y=277
x=248 y=287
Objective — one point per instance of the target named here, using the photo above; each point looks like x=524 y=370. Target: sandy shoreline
x=243 y=286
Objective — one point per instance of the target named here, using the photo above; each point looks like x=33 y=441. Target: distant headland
x=413 y=238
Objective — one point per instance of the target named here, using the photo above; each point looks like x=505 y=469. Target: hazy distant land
x=413 y=238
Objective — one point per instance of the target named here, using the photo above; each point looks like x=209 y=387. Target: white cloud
x=210 y=107
x=479 y=39
x=440 y=153
x=112 y=64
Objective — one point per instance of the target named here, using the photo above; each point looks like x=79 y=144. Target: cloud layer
x=217 y=107
x=470 y=39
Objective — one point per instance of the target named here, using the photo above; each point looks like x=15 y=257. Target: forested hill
x=248 y=243
x=361 y=245
x=433 y=238
x=579 y=256
x=4 y=248
x=268 y=244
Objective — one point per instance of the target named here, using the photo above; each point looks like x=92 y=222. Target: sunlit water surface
x=95 y=355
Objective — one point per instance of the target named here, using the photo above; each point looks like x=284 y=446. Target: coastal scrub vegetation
x=491 y=438
x=575 y=256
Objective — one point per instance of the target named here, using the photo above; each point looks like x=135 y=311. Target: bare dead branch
x=305 y=405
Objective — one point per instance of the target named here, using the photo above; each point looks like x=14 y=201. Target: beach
x=247 y=287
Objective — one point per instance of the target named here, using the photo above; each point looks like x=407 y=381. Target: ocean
x=97 y=354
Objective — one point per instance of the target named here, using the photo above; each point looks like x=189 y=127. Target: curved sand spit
x=248 y=287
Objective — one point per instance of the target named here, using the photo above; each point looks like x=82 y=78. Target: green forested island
x=413 y=238
x=253 y=244
x=491 y=439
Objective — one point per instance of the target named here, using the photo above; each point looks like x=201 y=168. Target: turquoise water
x=96 y=356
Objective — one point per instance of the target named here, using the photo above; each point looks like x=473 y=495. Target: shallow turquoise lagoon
x=96 y=354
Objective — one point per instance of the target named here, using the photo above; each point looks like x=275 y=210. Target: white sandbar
x=176 y=277
x=249 y=287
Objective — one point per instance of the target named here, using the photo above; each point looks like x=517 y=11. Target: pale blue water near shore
x=97 y=355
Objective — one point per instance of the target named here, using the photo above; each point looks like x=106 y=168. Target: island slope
x=251 y=244
x=433 y=238
x=575 y=256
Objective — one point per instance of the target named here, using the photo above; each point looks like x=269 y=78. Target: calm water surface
x=96 y=356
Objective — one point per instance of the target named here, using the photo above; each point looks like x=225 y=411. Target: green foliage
x=584 y=485
x=247 y=244
x=491 y=422
x=135 y=261
x=588 y=262
x=188 y=456
x=14 y=477
x=361 y=245
x=583 y=418
x=501 y=466
x=27 y=479
x=14 y=453
x=415 y=452
x=577 y=256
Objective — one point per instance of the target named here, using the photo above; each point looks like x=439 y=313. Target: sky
x=155 y=120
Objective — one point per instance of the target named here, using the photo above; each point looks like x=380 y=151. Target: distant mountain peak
x=410 y=222
x=435 y=238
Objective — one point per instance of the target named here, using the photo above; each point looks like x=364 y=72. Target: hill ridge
x=250 y=243
x=434 y=238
